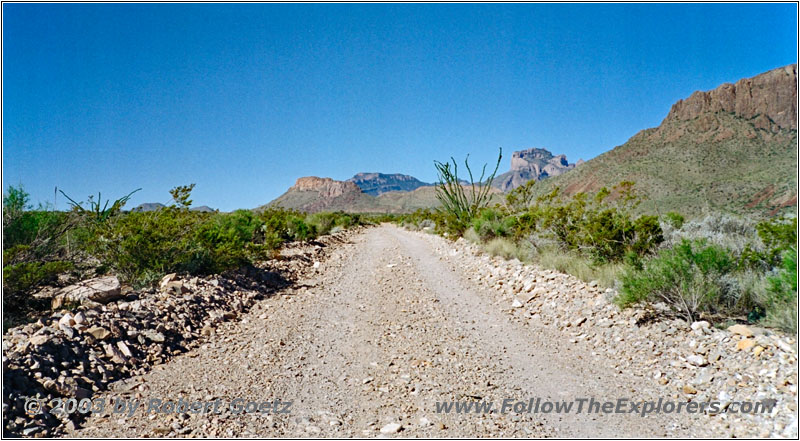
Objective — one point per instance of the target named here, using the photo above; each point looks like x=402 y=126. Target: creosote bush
x=720 y=267
x=139 y=247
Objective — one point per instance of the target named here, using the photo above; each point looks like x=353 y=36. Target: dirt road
x=381 y=332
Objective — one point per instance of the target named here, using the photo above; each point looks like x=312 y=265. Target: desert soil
x=372 y=339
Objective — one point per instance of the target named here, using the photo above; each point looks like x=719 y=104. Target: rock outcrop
x=530 y=164
x=93 y=292
x=770 y=99
x=326 y=187
x=312 y=194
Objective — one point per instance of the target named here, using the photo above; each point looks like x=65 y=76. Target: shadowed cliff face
x=770 y=99
x=378 y=183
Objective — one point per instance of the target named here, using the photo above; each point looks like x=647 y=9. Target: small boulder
x=89 y=292
x=40 y=339
x=99 y=332
x=66 y=320
x=742 y=330
x=745 y=344
x=166 y=280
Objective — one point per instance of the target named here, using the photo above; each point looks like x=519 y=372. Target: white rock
x=391 y=428
x=696 y=360
x=516 y=304
x=101 y=290
x=67 y=320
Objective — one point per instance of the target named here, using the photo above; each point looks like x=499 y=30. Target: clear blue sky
x=243 y=99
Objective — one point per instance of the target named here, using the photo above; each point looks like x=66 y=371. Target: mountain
x=378 y=183
x=203 y=209
x=312 y=194
x=148 y=206
x=153 y=206
x=731 y=149
x=535 y=164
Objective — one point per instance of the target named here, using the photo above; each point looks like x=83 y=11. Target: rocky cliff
x=530 y=164
x=312 y=194
x=326 y=187
x=769 y=99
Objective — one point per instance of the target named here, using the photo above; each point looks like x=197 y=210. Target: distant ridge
x=376 y=184
x=312 y=194
x=153 y=206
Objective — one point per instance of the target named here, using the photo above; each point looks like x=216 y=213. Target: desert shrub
x=21 y=277
x=18 y=282
x=505 y=248
x=730 y=232
x=280 y=225
x=323 y=222
x=604 y=230
x=226 y=241
x=432 y=220
x=298 y=229
x=675 y=220
x=491 y=223
x=692 y=277
x=34 y=252
x=518 y=199
x=780 y=301
x=140 y=247
x=39 y=230
x=326 y=222
x=779 y=236
x=758 y=246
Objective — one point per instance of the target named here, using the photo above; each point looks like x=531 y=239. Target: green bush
x=226 y=241
x=778 y=236
x=140 y=247
x=19 y=280
x=690 y=278
x=324 y=223
x=22 y=277
x=604 y=230
x=492 y=223
x=675 y=220
x=781 y=299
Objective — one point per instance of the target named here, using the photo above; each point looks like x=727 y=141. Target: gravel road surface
x=366 y=345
